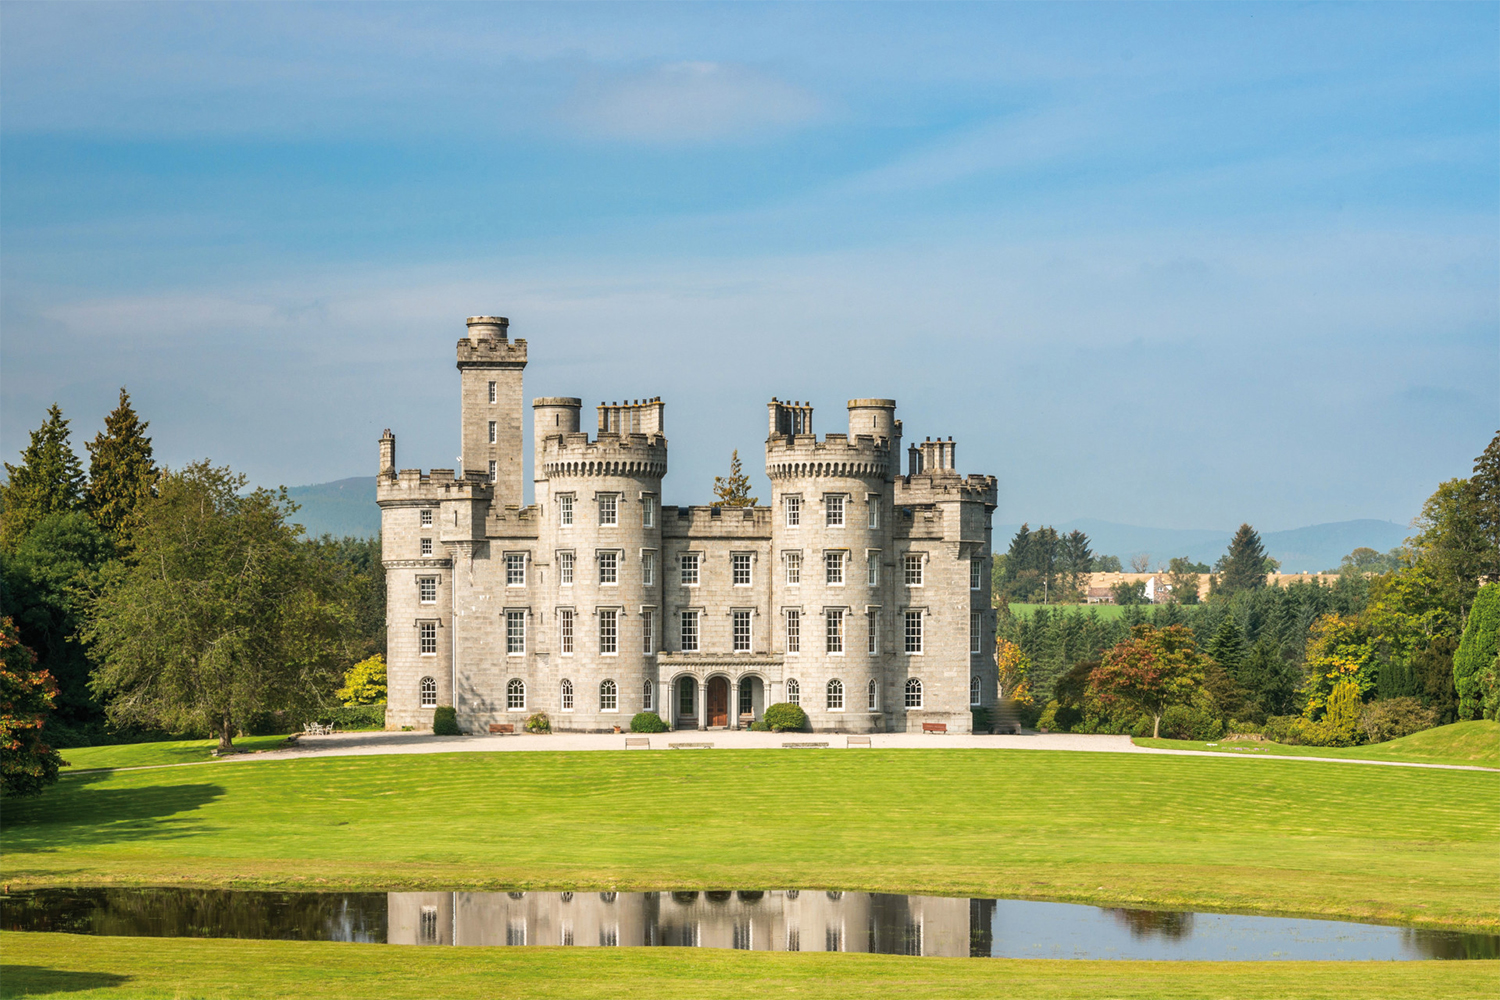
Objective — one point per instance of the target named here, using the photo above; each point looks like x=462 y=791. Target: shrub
x=785 y=717
x=759 y=726
x=364 y=683
x=539 y=723
x=1473 y=664
x=1286 y=729
x=445 y=721
x=1190 y=722
x=981 y=719
x=1394 y=718
x=647 y=722
x=349 y=717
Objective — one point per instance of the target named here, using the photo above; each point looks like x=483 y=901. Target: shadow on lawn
x=39 y=981
x=74 y=814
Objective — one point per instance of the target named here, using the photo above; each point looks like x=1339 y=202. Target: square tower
x=490 y=366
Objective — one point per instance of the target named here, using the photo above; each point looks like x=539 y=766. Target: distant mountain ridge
x=347 y=507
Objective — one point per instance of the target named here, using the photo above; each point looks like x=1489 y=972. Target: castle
x=860 y=594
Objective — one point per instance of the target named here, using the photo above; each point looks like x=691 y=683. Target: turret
x=490 y=366
x=387 y=455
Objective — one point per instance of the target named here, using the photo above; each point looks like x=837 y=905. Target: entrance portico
x=718 y=692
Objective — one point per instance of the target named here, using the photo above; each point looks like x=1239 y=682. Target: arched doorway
x=718 y=701
x=687 y=688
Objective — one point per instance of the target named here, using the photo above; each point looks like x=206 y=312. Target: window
x=913 y=693
x=914 y=631
x=793 y=630
x=567 y=695
x=833 y=508
x=426 y=547
x=427 y=589
x=739 y=564
x=648 y=511
x=609 y=631
x=515 y=695
x=872 y=696
x=565 y=631
x=565 y=569
x=646 y=697
x=834 y=629
x=874 y=503
x=833 y=568
x=913 y=566
x=974 y=692
x=975 y=631
x=515 y=632
x=689 y=632
x=427 y=634
x=648 y=569
x=494 y=394
x=793 y=511
x=793 y=562
x=609 y=697
x=835 y=695
x=429 y=692
x=976 y=573
x=426 y=517
x=872 y=627
x=872 y=568
x=742 y=631
x=793 y=692
x=609 y=509
x=648 y=631
x=494 y=472
x=515 y=569
x=609 y=568
x=685 y=689
x=494 y=435
x=565 y=510
x=687 y=568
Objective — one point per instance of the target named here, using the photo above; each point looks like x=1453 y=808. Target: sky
x=1178 y=265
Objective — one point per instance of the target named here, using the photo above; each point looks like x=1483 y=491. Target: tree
x=1182 y=577
x=121 y=469
x=734 y=490
x=27 y=763
x=1451 y=543
x=1271 y=679
x=1485 y=484
x=223 y=614
x=364 y=683
x=1475 y=658
x=1339 y=651
x=1077 y=561
x=49 y=480
x=1107 y=564
x=1015 y=669
x=1243 y=567
x=1140 y=562
x=1128 y=592
x=1227 y=647
x=1151 y=670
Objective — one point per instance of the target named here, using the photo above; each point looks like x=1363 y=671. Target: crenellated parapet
x=491 y=352
x=638 y=455
x=717 y=522
x=945 y=485
x=415 y=487
x=798 y=456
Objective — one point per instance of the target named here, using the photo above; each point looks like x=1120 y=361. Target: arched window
x=515 y=695
x=429 y=693
x=835 y=695
x=974 y=691
x=567 y=695
x=913 y=693
x=646 y=698
x=872 y=695
x=609 y=697
x=793 y=692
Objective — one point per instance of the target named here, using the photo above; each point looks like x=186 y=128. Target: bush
x=1288 y=730
x=539 y=723
x=1190 y=722
x=981 y=719
x=785 y=717
x=647 y=722
x=349 y=717
x=759 y=726
x=445 y=721
x=1394 y=718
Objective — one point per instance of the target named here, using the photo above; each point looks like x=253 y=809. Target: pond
x=763 y=920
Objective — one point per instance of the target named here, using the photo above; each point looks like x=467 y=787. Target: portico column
x=702 y=703
x=734 y=704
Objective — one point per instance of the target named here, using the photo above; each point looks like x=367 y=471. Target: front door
x=718 y=702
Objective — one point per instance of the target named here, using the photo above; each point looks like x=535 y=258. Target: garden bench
x=934 y=727
x=859 y=741
x=691 y=746
x=637 y=743
x=317 y=729
x=500 y=728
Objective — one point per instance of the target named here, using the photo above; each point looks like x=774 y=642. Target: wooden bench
x=934 y=727
x=859 y=741
x=637 y=743
x=691 y=746
x=502 y=727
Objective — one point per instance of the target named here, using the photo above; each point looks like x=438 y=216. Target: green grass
x=1105 y=611
x=1472 y=743
x=145 y=754
x=120 y=968
x=1189 y=833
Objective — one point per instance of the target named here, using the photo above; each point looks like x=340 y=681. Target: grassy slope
x=174 y=752
x=117 y=968
x=1476 y=743
x=1177 y=832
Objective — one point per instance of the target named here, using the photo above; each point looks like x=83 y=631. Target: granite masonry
x=859 y=593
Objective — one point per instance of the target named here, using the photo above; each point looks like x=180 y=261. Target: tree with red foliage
x=27 y=764
x=1154 y=668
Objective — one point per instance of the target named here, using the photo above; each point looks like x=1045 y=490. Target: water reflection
x=748 y=919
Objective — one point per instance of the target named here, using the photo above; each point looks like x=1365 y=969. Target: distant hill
x=1300 y=550
x=343 y=507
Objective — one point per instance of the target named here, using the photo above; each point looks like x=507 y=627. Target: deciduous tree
x=1182 y=575
x=49 y=480
x=364 y=683
x=27 y=763
x=1151 y=670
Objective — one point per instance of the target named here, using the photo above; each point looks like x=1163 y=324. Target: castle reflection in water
x=809 y=920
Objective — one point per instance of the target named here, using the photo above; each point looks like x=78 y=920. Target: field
x=117 y=968
x=1106 y=611
x=1464 y=743
x=1384 y=844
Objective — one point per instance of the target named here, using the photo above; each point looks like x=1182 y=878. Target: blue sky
x=1175 y=265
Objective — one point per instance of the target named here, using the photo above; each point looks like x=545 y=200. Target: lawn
x=1106 y=611
x=1176 y=832
x=119 y=968
x=1471 y=743
x=174 y=752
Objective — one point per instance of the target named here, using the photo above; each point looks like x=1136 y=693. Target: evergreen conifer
x=49 y=480
x=122 y=471
x=1244 y=566
x=734 y=490
x=1227 y=647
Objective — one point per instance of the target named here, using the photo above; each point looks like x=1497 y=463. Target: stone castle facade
x=859 y=593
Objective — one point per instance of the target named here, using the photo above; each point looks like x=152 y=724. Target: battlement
x=609 y=455
x=945 y=484
x=414 y=486
x=643 y=416
x=804 y=455
x=716 y=522
x=491 y=352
